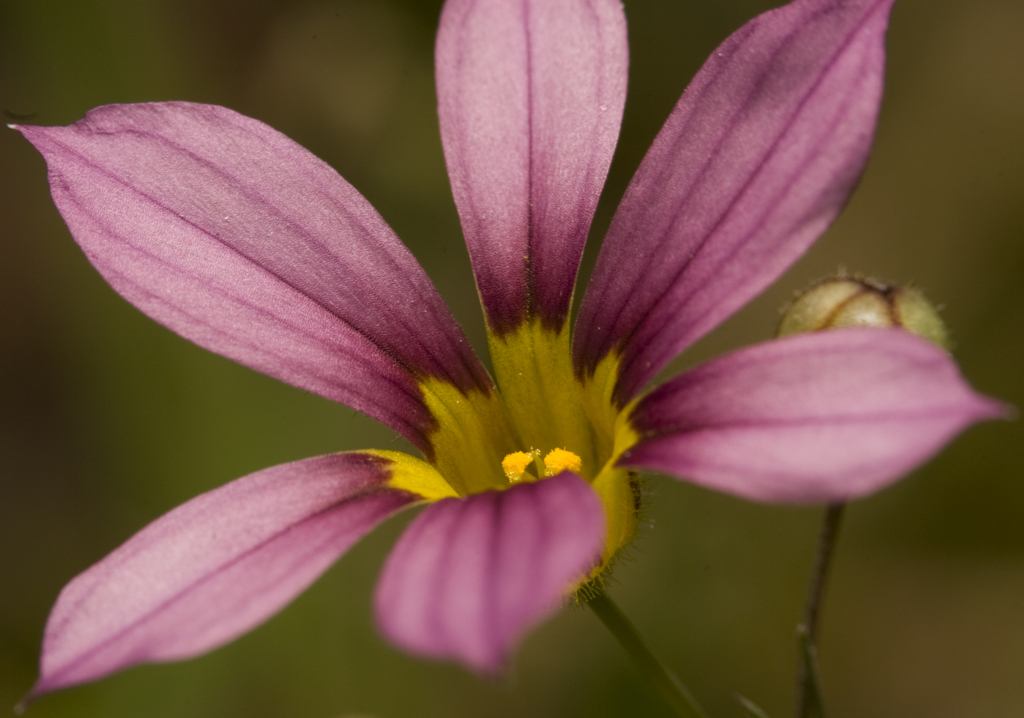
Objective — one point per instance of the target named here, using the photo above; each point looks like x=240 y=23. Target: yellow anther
x=559 y=460
x=515 y=464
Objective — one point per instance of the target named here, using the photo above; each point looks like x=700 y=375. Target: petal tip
x=41 y=688
x=989 y=409
x=21 y=706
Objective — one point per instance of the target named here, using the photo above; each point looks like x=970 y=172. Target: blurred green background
x=108 y=420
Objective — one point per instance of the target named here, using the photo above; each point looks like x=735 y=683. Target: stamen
x=515 y=464
x=559 y=460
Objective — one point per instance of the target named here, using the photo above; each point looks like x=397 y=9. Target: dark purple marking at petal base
x=756 y=160
x=470 y=576
x=214 y=567
x=232 y=235
x=530 y=99
x=821 y=417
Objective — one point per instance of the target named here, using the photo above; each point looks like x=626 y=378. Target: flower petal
x=470 y=576
x=232 y=235
x=530 y=97
x=827 y=416
x=753 y=164
x=214 y=567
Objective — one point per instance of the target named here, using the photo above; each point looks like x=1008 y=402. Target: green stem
x=664 y=681
x=809 y=699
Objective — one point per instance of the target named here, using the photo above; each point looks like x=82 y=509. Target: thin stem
x=664 y=681
x=809 y=701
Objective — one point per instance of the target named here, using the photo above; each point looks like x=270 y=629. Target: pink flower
x=238 y=239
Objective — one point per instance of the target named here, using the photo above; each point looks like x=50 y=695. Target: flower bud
x=851 y=302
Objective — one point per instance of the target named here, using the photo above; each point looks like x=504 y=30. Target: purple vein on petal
x=285 y=266
x=321 y=250
x=530 y=102
x=215 y=567
x=389 y=502
x=404 y=413
x=826 y=416
x=471 y=575
x=734 y=253
x=758 y=157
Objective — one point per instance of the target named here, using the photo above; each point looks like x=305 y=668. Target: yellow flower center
x=515 y=465
x=539 y=403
